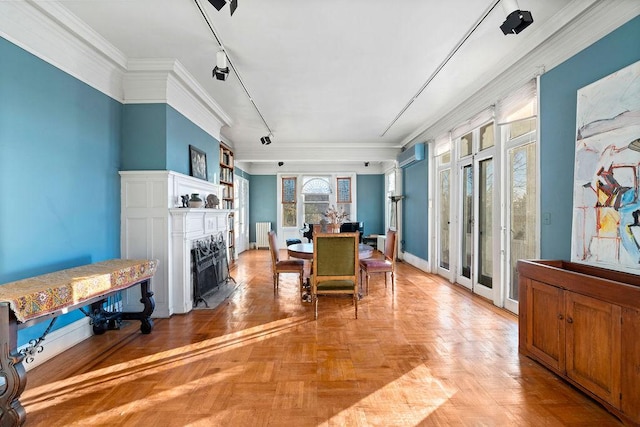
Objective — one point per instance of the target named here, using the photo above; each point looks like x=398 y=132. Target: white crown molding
x=312 y=167
x=274 y=152
x=50 y=32
x=166 y=80
x=582 y=23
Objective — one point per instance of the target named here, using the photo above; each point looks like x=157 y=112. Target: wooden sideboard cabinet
x=583 y=323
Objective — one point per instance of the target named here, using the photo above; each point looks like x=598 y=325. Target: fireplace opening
x=210 y=267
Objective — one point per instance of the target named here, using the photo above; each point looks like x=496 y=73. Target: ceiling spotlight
x=517 y=20
x=219 y=4
x=266 y=140
x=280 y=163
x=221 y=70
x=233 y=6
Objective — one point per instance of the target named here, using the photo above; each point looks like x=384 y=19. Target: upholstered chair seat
x=283 y=265
x=378 y=265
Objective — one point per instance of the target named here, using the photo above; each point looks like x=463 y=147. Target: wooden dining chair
x=283 y=266
x=335 y=267
x=381 y=265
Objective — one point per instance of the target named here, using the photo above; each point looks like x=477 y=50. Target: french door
x=443 y=242
x=522 y=242
x=241 y=217
x=476 y=230
x=488 y=218
x=466 y=225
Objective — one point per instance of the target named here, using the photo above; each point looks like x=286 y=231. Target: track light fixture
x=221 y=70
x=219 y=4
x=517 y=20
x=266 y=140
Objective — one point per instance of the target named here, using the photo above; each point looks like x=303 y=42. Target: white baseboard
x=416 y=262
x=60 y=340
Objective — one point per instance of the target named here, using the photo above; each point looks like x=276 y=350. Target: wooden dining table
x=305 y=251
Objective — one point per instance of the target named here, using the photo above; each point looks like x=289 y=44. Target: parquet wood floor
x=430 y=354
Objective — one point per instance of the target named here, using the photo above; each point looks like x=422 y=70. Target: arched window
x=316 y=191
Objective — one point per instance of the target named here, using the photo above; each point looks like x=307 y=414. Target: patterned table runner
x=41 y=295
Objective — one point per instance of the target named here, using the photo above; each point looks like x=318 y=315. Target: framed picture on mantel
x=198 y=163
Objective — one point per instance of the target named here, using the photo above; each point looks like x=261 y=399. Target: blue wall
x=558 y=96
x=370 y=200
x=62 y=144
x=144 y=137
x=59 y=161
x=415 y=209
x=157 y=137
x=181 y=132
x=263 y=198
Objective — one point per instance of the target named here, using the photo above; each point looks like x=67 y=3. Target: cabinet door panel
x=593 y=345
x=630 y=377
x=545 y=327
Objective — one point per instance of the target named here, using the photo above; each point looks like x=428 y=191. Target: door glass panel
x=486 y=136
x=467 y=220
x=522 y=215
x=466 y=145
x=485 y=226
x=444 y=218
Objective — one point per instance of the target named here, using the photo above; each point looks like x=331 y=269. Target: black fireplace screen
x=210 y=267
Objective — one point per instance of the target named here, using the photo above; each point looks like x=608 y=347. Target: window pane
x=522 y=215
x=466 y=144
x=485 y=229
x=314 y=212
x=316 y=192
x=467 y=221
x=444 y=218
x=344 y=190
x=316 y=198
x=521 y=127
x=391 y=182
x=288 y=190
x=316 y=185
x=346 y=208
x=445 y=158
x=487 y=136
x=289 y=214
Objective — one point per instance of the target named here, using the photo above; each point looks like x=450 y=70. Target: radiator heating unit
x=262 y=234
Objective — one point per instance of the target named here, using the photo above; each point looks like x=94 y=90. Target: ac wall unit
x=413 y=154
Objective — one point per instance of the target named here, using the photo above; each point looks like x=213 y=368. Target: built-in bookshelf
x=226 y=183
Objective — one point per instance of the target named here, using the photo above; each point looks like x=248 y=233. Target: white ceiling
x=330 y=76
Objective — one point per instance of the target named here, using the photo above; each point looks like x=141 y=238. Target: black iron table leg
x=143 y=316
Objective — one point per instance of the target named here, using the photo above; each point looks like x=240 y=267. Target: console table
x=29 y=301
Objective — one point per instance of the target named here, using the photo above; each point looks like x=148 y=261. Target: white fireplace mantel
x=188 y=226
x=154 y=226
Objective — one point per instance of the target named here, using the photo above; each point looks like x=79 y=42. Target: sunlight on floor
x=102 y=380
x=410 y=408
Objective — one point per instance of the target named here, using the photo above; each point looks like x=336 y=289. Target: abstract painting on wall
x=606 y=193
